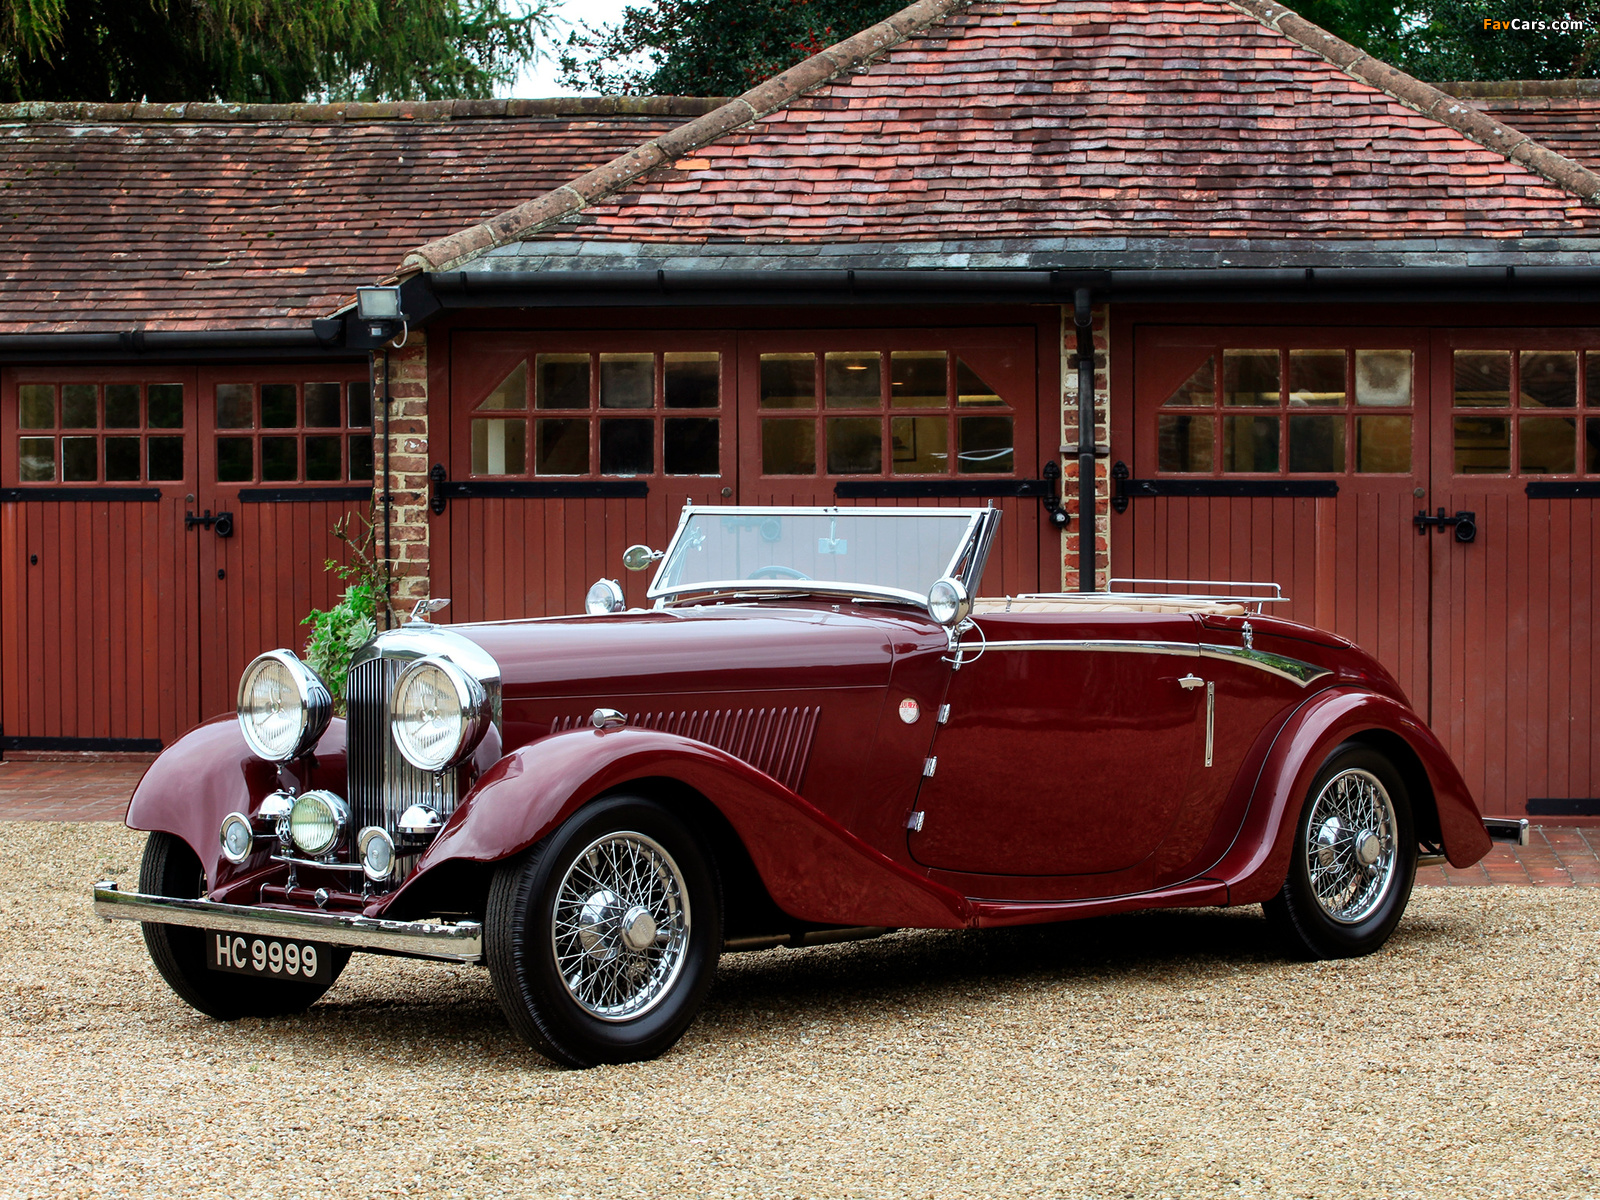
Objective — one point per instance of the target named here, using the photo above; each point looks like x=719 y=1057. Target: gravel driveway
x=1152 y=1055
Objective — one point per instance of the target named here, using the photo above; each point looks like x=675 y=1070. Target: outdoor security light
x=378 y=308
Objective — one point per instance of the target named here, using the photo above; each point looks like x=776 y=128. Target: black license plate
x=270 y=957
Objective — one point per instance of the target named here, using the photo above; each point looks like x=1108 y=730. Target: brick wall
x=1102 y=435
x=408 y=450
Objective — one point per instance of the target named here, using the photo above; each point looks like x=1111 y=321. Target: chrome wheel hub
x=1352 y=854
x=620 y=927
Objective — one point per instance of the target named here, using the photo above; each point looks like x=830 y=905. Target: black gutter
x=796 y=285
x=322 y=340
x=1083 y=322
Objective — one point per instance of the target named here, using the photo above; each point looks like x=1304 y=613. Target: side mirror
x=948 y=602
x=639 y=558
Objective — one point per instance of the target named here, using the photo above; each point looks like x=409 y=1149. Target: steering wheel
x=777 y=571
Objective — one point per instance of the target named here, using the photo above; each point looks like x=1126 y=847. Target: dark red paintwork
x=1069 y=776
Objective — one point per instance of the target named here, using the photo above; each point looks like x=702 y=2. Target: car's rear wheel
x=1354 y=858
x=170 y=868
x=602 y=940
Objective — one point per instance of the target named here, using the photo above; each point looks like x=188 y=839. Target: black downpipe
x=1083 y=319
x=388 y=504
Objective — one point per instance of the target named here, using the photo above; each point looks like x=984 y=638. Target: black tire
x=170 y=868
x=1321 y=927
x=664 y=981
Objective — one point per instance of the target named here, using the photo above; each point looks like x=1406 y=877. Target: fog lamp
x=377 y=852
x=238 y=839
x=317 y=822
x=604 y=597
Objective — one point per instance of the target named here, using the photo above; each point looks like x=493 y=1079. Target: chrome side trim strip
x=1292 y=669
x=462 y=942
x=1211 y=718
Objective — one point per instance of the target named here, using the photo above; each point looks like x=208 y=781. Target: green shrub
x=350 y=624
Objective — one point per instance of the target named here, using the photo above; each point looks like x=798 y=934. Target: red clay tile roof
x=1564 y=114
x=204 y=216
x=1042 y=118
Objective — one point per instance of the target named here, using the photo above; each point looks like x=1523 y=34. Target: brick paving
x=89 y=790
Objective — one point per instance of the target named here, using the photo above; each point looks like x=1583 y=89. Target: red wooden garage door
x=1303 y=457
x=125 y=621
x=564 y=449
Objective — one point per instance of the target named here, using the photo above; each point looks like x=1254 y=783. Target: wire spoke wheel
x=620 y=926
x=1351 y=846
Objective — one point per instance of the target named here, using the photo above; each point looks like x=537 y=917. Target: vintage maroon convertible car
x=813 y=735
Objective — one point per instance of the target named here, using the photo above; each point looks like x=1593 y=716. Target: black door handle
x=1464 y=523
x=224 y=524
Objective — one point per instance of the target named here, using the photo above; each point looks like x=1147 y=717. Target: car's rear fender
x=1258 y=861
x=210 y=772
x=814 y=869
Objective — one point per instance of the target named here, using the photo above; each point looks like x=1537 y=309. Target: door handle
x=224 y=524
x=1189 y=682
x=1464 y=523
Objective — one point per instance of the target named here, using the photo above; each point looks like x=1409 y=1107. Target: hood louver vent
x=776 y=741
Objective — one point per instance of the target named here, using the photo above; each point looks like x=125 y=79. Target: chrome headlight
x=439 y=713
x=238 y=838
x=317 y=822
x=948 y=602
x=604 y=597
x=283 y=706
x=376 y=849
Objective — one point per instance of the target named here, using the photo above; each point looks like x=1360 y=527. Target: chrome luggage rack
x=1196 y=591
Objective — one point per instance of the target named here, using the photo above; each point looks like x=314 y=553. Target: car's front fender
x=814 y=868
x=1258 y=862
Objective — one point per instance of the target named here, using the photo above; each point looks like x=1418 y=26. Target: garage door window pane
x=278 y=406
x=971 y=389
x=561 y=447
x=80 y=459
x=917 y=379
x=1548 y=445
x=360 y=405
x=627 y=447
x=627 y=380
x=855 y=445
x=1482 y=445
x=1197 y=391
x=690 y=446
x=788 y=447
x=1483 y=378
x=361 y=456
x=1316 y=443
x=1316 y=380
x=1383 y=378
x=919 y=445
x=122 y=406
x=235 y=462
x=78 y=406
x=559 y=381
x=512 y=391
x=235 y=406
x=852 y=380
x=1250 y=377
x=691 y=379
x=986 y=445
x=280 y=459
x=122 y=459
x=322 y=458
x=1383 y=444
x=165 y=406
x=165 y=457
x=1549 y=378
x=499 y=446
x=1591 y=445
x=1186 y=442
x=788 y=381
x=36 y=460
x=37 y=405
x=1249 y=443
x=322 y=405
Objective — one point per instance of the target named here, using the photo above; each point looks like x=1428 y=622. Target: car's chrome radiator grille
x=774 y=740
x=382 y=783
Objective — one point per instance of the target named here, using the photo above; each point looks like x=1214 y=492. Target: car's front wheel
x=602 y=940
x=170 y=868
x=1354 y=859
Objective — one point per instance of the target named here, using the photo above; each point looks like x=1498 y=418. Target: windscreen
x=901 y=553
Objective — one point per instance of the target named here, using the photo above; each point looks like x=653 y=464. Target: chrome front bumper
x=1513 y=831
x=462 y=942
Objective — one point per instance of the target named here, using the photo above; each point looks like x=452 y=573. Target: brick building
x=1312 y=296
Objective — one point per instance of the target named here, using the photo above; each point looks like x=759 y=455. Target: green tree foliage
x=1447 y=39
x=272 y=51
x=353 y=622
x=709 y=47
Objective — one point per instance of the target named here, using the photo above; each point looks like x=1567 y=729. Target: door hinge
x=929 y=765
x=914 y=822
